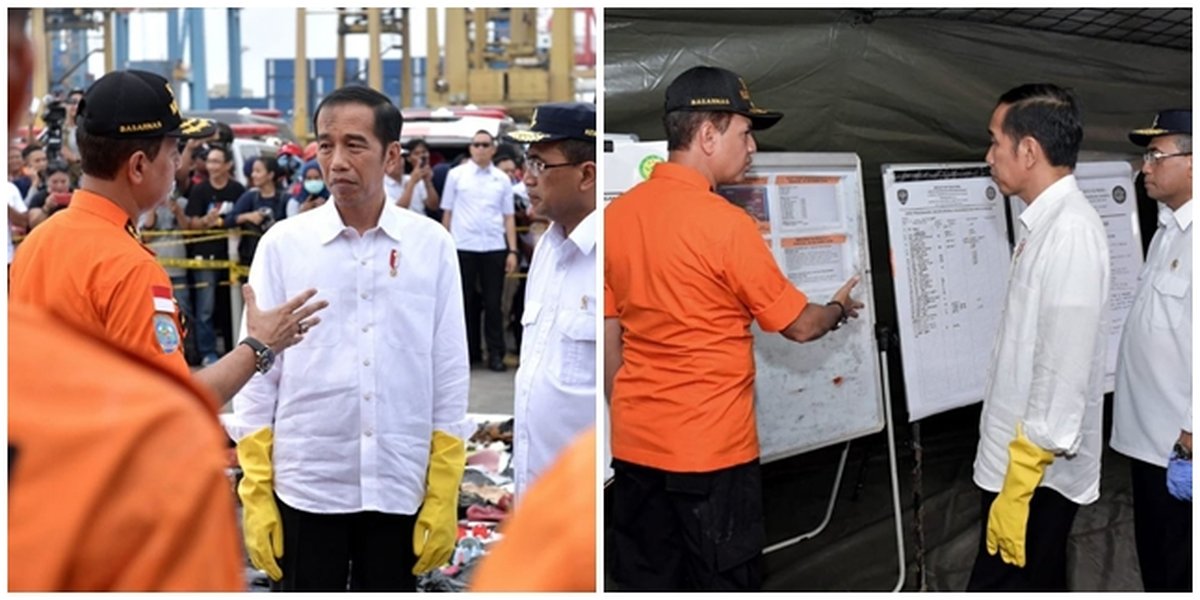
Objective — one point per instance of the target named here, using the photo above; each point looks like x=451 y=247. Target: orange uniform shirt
x=549 y=543
x=685 y=272
x=116 y=476
x=87 y=266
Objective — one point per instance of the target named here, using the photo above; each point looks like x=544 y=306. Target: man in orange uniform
x=685 y=274
x=87 y=265
x=115 y=465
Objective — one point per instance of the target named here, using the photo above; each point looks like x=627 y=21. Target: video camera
x=54 y=116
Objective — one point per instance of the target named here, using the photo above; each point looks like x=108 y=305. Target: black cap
x=559 y=121
x=1167 y=122
x=717 y=89
x=136 y=104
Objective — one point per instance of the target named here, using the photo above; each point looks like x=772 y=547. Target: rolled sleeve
x=757 y=281
x=1069 y=320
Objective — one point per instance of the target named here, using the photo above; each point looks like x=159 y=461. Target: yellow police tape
x=236 y=270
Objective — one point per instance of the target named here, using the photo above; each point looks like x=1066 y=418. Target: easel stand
x=882 y=337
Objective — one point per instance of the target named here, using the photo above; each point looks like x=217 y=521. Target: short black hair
x=681 y=125
x=103 y=157
x=415 y=143
x=491 y=137
x=388 y=120
x=271 y=165
x=57 y=166
x=578 y=151
x=1049 y=114
x=30 y=149
x=227 y=156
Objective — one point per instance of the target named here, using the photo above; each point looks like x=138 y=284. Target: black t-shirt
x=202 y=198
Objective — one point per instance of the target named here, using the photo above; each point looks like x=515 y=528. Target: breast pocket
x=578 y=349
x=1171 y=301
x=407 y=319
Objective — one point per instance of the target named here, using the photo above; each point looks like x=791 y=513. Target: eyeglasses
x=535 y=166
x=1154 y=156
x=481 y=144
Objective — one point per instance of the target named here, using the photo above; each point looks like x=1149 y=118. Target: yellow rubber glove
x=261 y=525
x=436 y=531
x=1009 y=515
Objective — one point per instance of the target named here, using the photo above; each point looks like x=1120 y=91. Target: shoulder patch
x=166 y=332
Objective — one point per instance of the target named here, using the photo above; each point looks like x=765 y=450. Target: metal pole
x=300 y=78
x=375 y=58
x=433 y=53
x=339 y=67
x=562 y=55
x=406 y=67
x=233 y=20
x=199 y=72
x=122 y=42
x=918 y=503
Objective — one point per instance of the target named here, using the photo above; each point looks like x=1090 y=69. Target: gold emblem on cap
x=533 y=119
x=743 y=91
x=174 y=106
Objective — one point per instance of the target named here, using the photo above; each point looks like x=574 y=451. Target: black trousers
x=687 y=531
x=1162 y=529
x=1050 y=519
x=366 y=551
x=487 y=268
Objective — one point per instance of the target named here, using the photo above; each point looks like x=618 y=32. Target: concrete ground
x=491 y=392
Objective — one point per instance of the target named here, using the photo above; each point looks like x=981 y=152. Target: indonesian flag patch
x=164 y=300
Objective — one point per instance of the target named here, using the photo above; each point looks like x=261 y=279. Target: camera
x=54 y=116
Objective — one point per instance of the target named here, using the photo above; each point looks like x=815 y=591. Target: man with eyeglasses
x=478 y=211
x=1152 y=406
x=556 y=382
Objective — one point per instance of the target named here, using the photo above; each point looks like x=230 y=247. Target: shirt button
x=364 y=295
x=366 y=328
x=367 y=396
x=367 y=362
x=368 y=433
x=363 y=263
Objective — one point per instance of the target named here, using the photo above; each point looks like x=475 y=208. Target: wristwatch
x=1182 y=452
x=841 y=318
x=264 y=357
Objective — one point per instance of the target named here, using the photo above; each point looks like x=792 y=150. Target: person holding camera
x=56 y=196
x=414 y=190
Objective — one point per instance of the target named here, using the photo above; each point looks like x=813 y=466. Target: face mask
x=313 y=186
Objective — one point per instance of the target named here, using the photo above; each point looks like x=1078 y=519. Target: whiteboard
x=951 y=254
x=809 y=208
x=1109 y=188
x=948 y=240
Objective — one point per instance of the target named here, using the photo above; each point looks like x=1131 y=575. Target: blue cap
x=1167 y=122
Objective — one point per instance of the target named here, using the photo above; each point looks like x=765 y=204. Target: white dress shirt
x=556 y=383
x=18 y=203
x=395 y=189
x=354 y=404
x=1153 y=399
x=1048 y=361
x=480 y=198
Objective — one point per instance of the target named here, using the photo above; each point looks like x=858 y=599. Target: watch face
x=266 y=358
